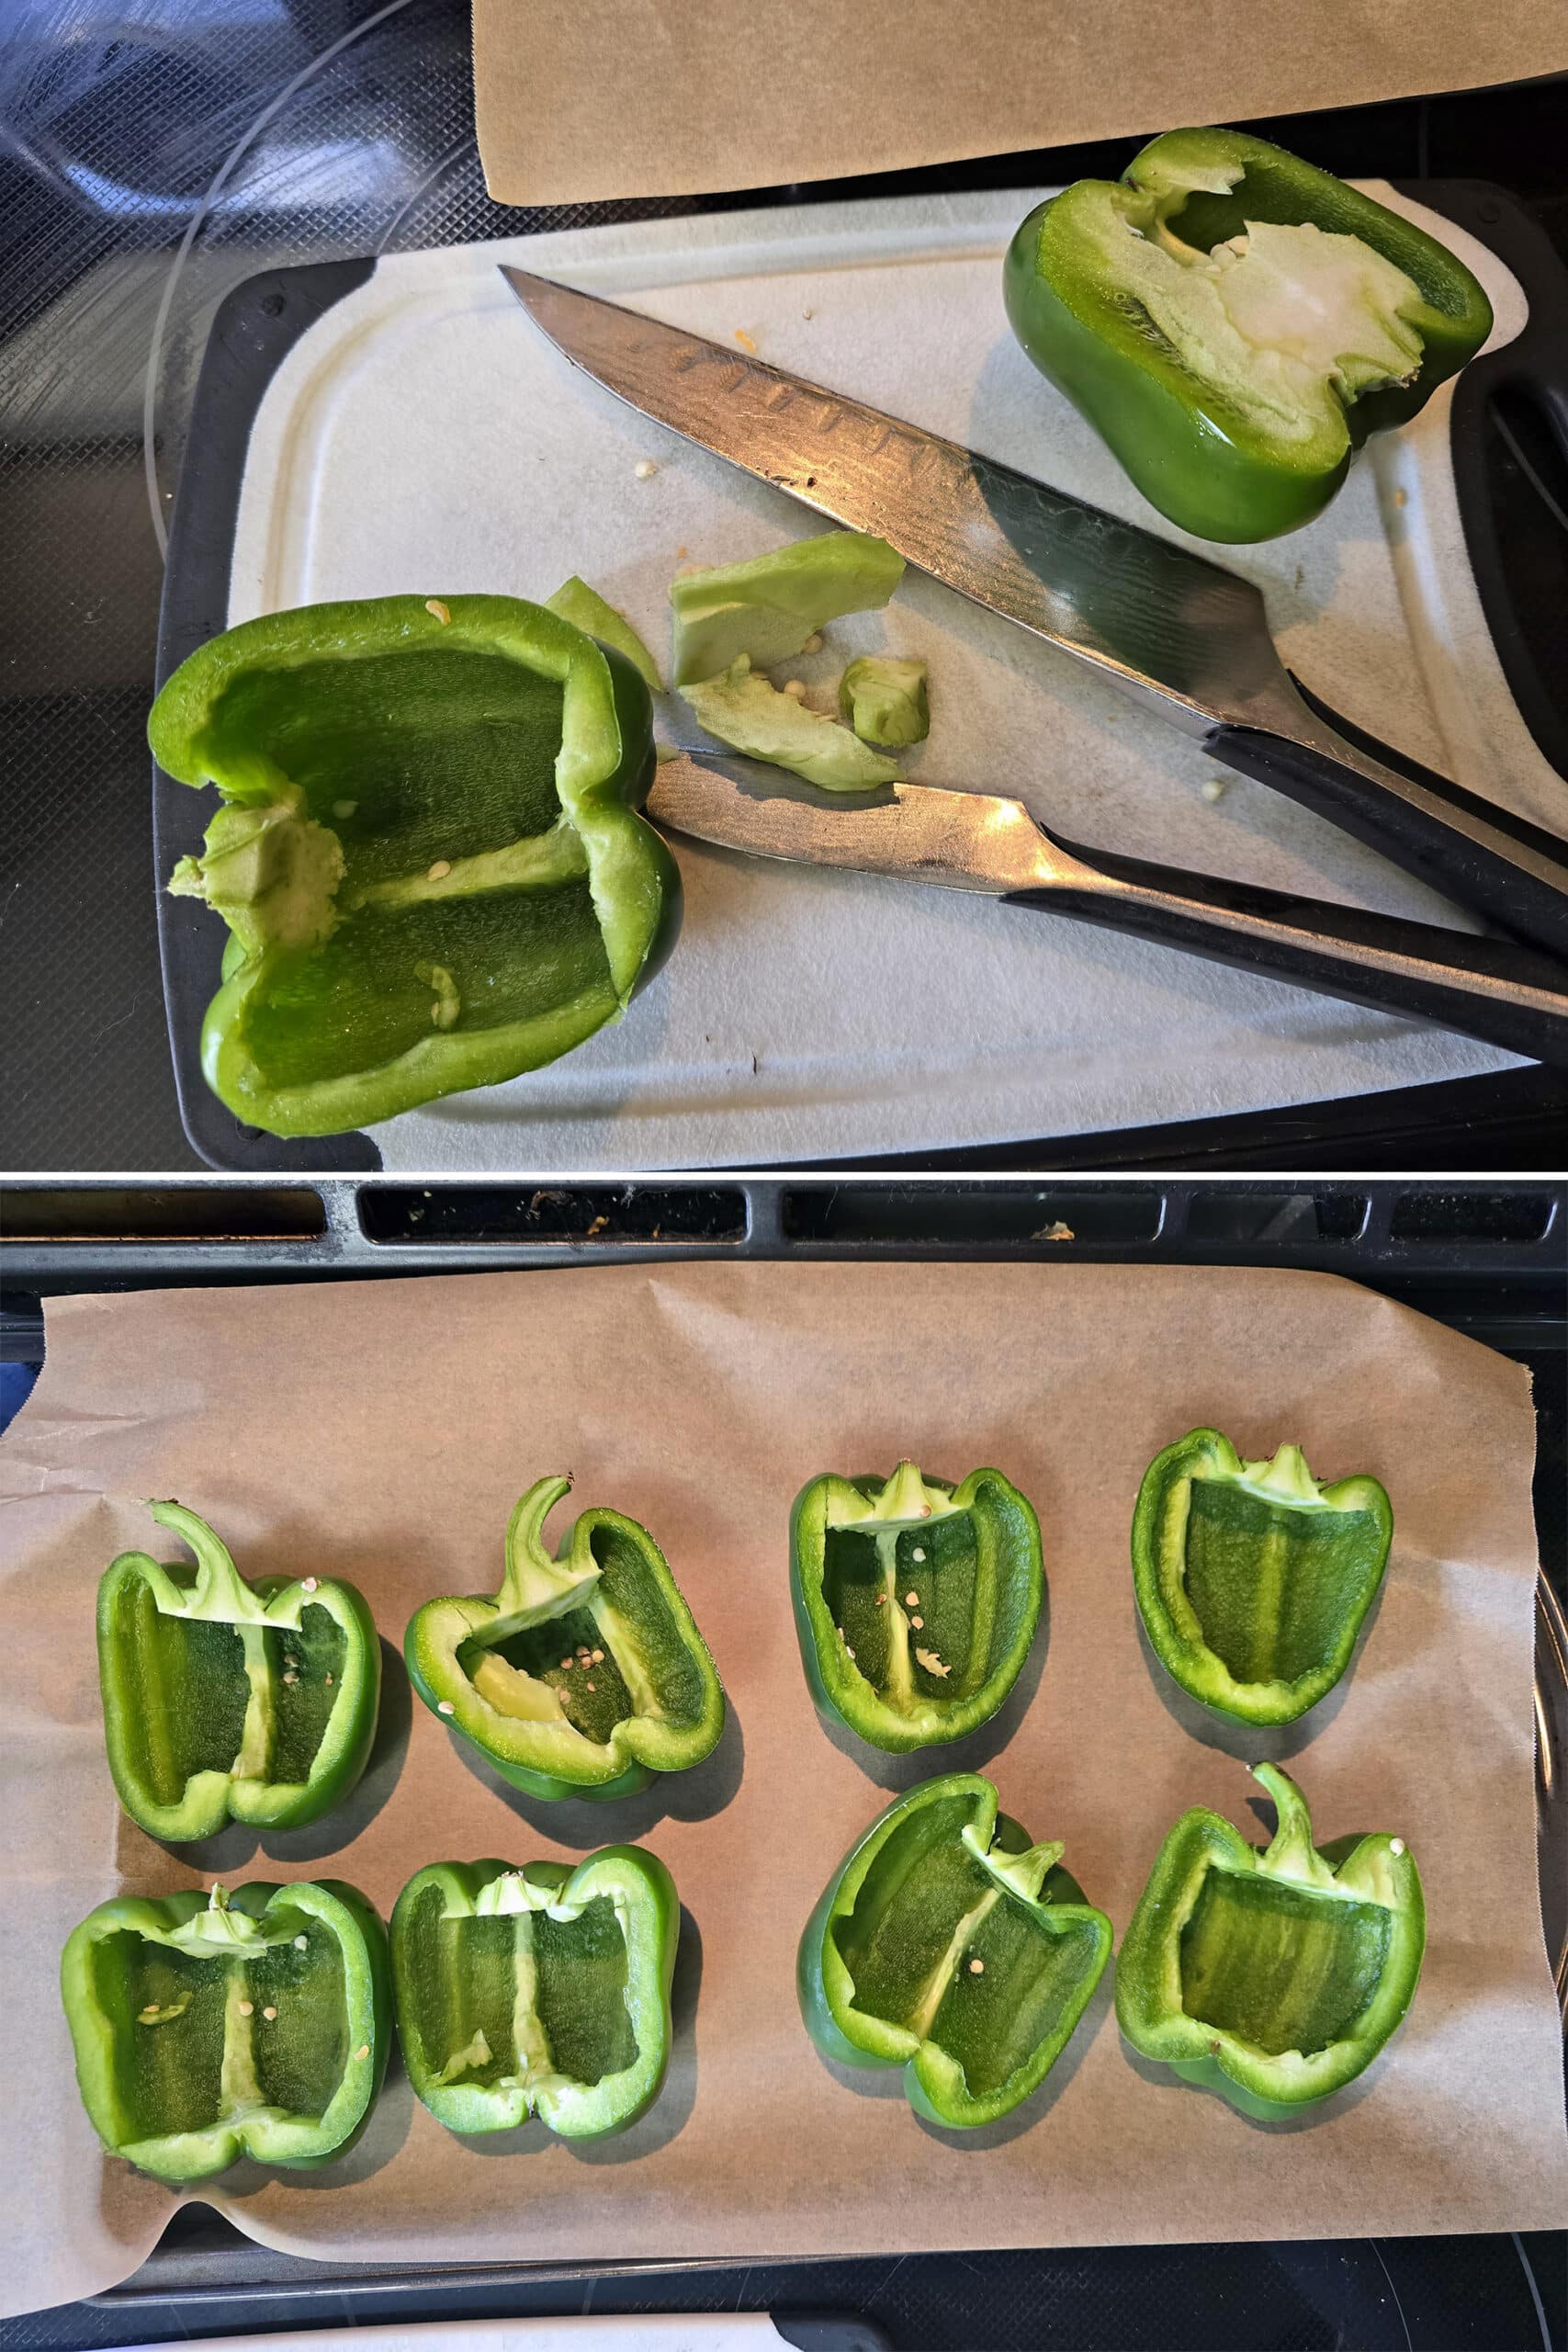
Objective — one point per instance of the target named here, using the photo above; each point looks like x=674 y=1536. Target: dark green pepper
x=915 y=1603
x=1272 y=1976
x=540 y=1991
x=947 y=1944
x=253 y=2024
x=430 y=853
x=227 y=1700
x=1233 y=367
x=586 y=1674
x=1253 y=1577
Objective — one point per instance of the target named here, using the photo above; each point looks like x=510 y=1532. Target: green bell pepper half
x=540 y=1991
x=947 y=1944
x=1273 y=1977
x=915 y=1603
x=1233 y=367
x=586 y=1674
x=1253 y=1578
x=430 y=855
x=225 y=1701
x=252 y=2024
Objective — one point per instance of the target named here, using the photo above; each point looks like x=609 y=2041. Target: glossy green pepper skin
x=586 y=1674
x=431 y=853
x=207 y=2029
x=915 y=1603
x=1253 y=1578
x=225 y=1701
x=1272 y=1976
x=587 y=2047
x=947 y=1945
x=1216 y=466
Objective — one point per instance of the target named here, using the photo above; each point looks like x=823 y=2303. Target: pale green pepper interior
x=1280 y=1966
x=518 y=1998
x=186 y=2055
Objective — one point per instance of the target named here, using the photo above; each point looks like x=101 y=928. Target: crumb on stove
x=744 y=340
x=645 y=469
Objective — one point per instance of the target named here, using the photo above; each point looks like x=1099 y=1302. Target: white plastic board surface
x=424 y=437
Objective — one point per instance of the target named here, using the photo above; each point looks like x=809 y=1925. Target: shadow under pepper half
x=540 y=1991
x=228 y=1701
x=1253 y=1578
x=948 y=1945
x=253 y=2024
x=586 y=1674
x=430 y=856
x=915 y=1603
x=1273 y=1977
x=1234 y=323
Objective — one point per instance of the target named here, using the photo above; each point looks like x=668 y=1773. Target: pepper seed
x=977 y=1968
x=598 y=1658
x=310 y=1584
x=269 y=2013
x=329 y=1679
x=439 y=871
x=1397 y=1845
x=301 y=1943
x=444 y=1707
x=919 y=1623
x=363 y=2051
x=593 y=1686
x=911 y=1600
x=246 y=2007
x=434 y=604
x=291 y=1678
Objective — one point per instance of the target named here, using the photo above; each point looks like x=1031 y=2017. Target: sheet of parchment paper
x=664 y=98
x=382 y=1430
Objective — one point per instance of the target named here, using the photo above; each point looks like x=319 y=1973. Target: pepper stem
x=536 y=1586
x=221 y=1593
x=1027 y=1873
x=1287 y=1476
x=1291 y=1853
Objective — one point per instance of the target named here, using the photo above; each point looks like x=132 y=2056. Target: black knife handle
x=1500 y=864
x=1511 y=995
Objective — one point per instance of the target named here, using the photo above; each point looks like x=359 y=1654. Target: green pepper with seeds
x=225 y=1701
x=586 y=1674
x=948 y=1945
x=1273 y=1977
x=206 y=2029
x=915 y=1603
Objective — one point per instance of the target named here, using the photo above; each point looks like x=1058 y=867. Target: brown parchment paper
x=670 y=97
x=382 y=1430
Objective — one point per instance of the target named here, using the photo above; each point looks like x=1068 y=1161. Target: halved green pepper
x=915 y=1603
x=540 y=1991
x=430 y=853
x=228 y=1701
x=1273 y=1977
x=586 y=1674
x=947 y=1944
x=1233 y=367
x=252 y=2024
x=1253 y=1577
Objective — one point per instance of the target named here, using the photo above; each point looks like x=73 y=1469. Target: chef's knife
x=1178 y=633
x=1495 y=988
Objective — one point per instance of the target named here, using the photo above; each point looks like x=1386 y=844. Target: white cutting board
x=424 y=436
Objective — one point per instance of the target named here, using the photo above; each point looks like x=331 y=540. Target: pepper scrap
x=430 y=855
x=1272 y=1976
x=1253 y=1578
x=948 y=1945
x=540 y=1991
x=915 y=1603
x=228 y=1701
x=253 y=2024
x=586 y=1674
x=1234 y=368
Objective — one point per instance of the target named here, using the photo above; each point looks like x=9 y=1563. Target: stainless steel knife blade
x=1165 y=622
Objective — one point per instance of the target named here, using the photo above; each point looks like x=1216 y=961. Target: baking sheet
x=382 y=1430
x=424 y=436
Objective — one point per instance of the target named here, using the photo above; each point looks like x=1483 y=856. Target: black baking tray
x=1506 y=400
x=1487 y=1258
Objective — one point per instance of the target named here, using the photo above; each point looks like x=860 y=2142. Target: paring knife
x=1495 y=988
x=1178 y=633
